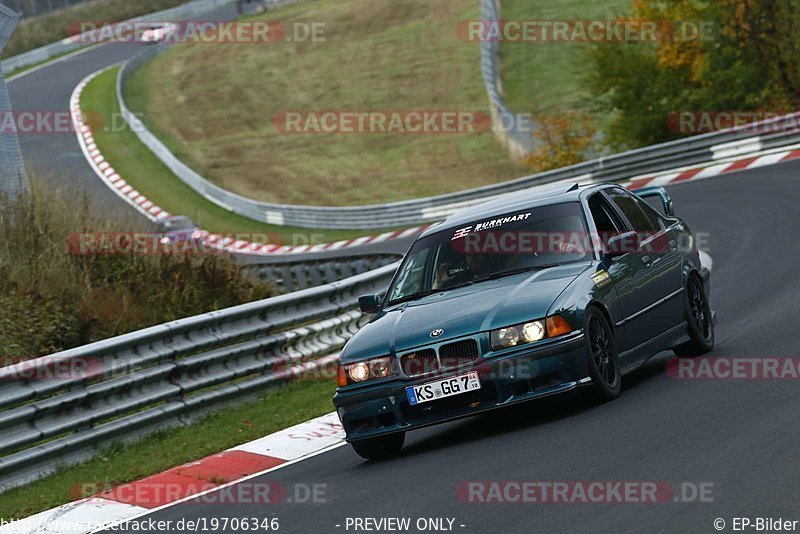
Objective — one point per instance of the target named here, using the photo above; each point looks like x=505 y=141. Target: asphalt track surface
x=740 y=436
x=49 y=89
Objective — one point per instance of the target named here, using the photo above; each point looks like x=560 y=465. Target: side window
x=653 y=214
x=634 y=212
x=604 y=219
x=410 y=278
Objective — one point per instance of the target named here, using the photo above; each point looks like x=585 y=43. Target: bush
x=51 y=300
x=563 y=138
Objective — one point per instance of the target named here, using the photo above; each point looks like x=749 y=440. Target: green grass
x=549 y=76
x=279 y=408
x=214 y=105
x=142 y=170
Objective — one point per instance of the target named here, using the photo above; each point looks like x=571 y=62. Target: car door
x=623 y=269
x=650 y=307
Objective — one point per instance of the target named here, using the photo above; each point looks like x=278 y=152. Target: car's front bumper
x=527 y=373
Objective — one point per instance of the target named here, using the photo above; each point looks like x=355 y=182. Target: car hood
x=462 y=311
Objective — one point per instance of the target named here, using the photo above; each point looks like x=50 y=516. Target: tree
x=749 y=62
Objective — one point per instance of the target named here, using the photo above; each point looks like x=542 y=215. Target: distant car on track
x=158 y=33
x=529 y=295
x=178 y=229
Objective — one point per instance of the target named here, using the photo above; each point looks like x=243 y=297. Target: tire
x=700 y=325
x=602 y=356
x=380 y=447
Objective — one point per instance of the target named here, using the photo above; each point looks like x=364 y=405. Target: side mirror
x=622 y=244
x=369 y=303
x=658 y=198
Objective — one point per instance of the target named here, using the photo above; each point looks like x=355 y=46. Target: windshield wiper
x=414 y=296
x=502 y=274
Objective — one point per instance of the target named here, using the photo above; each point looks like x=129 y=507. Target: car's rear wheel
x=380 y=447
x=700 y=324
x=603 y=360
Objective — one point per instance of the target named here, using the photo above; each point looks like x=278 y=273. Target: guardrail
x=59 y=409
x=71 y=44
x=13 y=178
x=291 y=276
x=646 y=161
x=518 y=142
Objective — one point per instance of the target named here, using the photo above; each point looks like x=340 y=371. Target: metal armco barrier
x=644 y=161
x=13 y=179
x=518 y=142
x=59 y=409
x=71 y=44
x=296 y=275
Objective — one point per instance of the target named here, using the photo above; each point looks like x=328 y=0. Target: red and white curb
x=716 y=168
x=188 y=481
x=232 y=245
x=155 y=213
x=101 y=167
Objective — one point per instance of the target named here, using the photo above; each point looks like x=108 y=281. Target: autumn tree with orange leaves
x=749 y=62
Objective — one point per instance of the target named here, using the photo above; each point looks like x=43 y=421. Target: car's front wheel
x=380 y=447
x=700 y=323
x=603 y=360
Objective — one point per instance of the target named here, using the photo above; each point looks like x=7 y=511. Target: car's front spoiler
x=505 y=380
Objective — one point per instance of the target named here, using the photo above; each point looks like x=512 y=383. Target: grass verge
x=214 y=106
x=550 y=75
x=142 y=170
x=298 y=401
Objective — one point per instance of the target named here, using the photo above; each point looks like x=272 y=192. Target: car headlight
x=530 y=332
x=354 y=373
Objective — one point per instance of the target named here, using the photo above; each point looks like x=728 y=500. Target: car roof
x=510 y=202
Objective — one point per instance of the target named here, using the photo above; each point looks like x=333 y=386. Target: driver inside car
x=455 y=273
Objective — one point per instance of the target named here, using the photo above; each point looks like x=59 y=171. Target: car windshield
x=493 y=247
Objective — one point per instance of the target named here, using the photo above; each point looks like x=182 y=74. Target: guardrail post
x=13 y=179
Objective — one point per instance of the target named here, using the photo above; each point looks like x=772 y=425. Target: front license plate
x=443 y=388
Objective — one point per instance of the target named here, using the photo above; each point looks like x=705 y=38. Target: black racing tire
x=381 y=447
x=699 y=320
x=602 y=356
